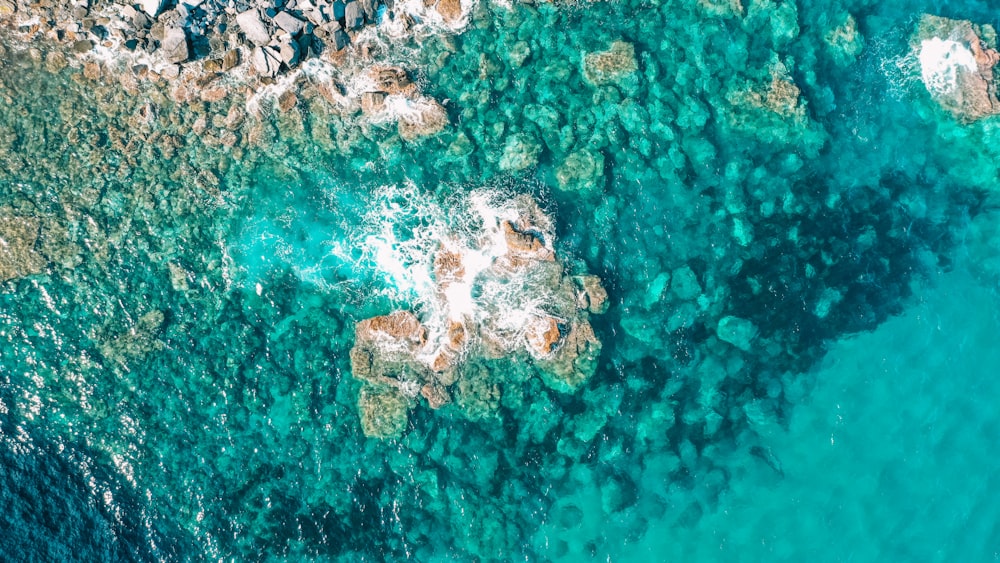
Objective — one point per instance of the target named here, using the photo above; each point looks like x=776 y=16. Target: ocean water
x=800 y=250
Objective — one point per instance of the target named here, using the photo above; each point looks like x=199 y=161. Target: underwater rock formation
x=957 y=59
x=500 y=297
x=18 y=257
x=611 y=66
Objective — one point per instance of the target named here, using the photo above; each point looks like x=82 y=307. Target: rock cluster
x=521 y=308
x=957 y=61
x=272 y=36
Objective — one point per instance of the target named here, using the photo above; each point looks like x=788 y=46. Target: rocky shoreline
x=273 y=37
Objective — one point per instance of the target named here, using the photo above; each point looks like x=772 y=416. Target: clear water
x=175 y=384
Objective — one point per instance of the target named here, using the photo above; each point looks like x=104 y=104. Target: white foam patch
x=941 y=61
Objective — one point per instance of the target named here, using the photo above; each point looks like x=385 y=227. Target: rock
x=230 y=60
x=265 y=61
x=428 y=118
x=82 y=46
x=18 y=257
x=368 y=8
x=574 y=362
x=401 y=326
x=957 y=66
x=392 y=80
x=252 y=26
x=152 y=7
x=611 y=66
x=7 y=8
x=736 y=331
x=288 y=51
x=450 y=10
x=175 y=45
x=354 y=16
x=520 y=152
x=288 y=22
x=684 y=283
x=542 y=336
x=383 y=412
x=593 y=297
x=582 y=172
x=372 y=102
x=287 y=100
x=436 y=395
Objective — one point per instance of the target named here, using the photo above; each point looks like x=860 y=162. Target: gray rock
x=152 y=7
x=289 y=53
x=334 y=36
x=252 y=26
x=368 y=7
x=175 y=45
x=288 y=22
x=354 y=16
x=82 y=46
x=265 y=61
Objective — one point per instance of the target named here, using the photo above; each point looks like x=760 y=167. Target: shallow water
x=175 y=380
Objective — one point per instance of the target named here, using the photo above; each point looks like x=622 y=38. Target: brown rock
x=436 y=395
x=448 y=266
x=543 y=336
x=214 y=94
x=606 y=67
x=402 y=326
x=430 y=120
x=593 y=296
x=372 y=102
x=287 y=100
x=450 y=10
x=392 y=80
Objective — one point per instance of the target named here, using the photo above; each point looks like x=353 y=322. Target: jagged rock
x=392 y=80
x=18 y=257
x=542 y=336
x=372 y=102
x=152 y=7
x=175 y=45
x=399 y=326
x=428 y=119
x=593 y=296
x=333 y=35
x=436 y=395
x=354 y=16
x=450 y=10
x=253 y=27
x=957 y=66
x=265 y=61
x=230 y=60
x=289 y=53
x=369 y=9
x=288 y=22
x=607 y=67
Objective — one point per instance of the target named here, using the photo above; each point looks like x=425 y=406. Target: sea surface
x=175 y=382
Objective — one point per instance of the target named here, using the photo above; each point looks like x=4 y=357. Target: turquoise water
x=174 y=371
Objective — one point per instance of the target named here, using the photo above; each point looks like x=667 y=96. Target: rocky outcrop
x=957 y=62
x=504 y=298
x=611 y=66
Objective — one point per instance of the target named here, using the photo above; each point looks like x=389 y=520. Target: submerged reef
x=957 y=60
x=497 y=298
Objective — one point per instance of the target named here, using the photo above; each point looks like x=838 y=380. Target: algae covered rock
x=582 y=172
x=18 y=256
x=383 y=412
x=520 y=152
x=957 y=60
x=736 y=331
x=613 y=66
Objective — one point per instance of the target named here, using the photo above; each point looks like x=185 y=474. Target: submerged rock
x=383 y=412
x=611 y=66
x=18 y=257
x=736 y=331
x=957 y=61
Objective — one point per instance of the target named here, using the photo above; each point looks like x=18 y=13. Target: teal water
x=174 y=374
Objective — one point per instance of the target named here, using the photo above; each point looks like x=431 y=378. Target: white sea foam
x=941 y=62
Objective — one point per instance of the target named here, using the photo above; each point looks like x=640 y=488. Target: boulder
x=265 y=61
x=152 y=7
x=428 y=118
x=288 y=51
x=253 y=27
x=288 y=22
x=372 y=102
x=354 y=15
x=582 y=172
x=175 y=45
x=450 y=10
